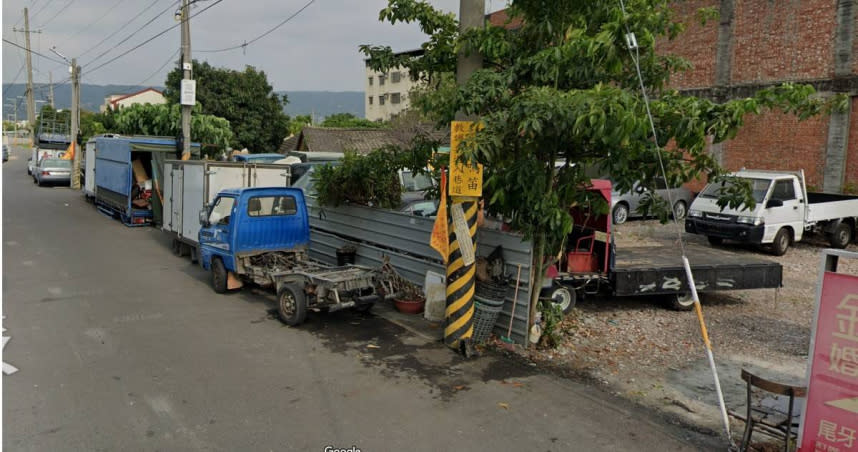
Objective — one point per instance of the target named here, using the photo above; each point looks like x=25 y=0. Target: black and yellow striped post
x=459 y=314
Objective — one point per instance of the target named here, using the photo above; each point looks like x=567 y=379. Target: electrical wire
x=45 y=24
x=152 y=38
x=247 y=43
x=157 y=71
x=41 y=9
x=115 y=46
x=32 y=51
x=634 y=52
x=120 y=28
x=98 y=19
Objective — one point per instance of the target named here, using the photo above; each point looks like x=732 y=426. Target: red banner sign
x=830 y=421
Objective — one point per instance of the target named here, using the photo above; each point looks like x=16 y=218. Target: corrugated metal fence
x=376 y=233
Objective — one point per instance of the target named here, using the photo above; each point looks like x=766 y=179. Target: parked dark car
x=5 y=153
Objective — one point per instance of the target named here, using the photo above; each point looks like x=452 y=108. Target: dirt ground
x=639 y=349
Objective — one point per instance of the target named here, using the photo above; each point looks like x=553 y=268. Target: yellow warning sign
x=465 y=180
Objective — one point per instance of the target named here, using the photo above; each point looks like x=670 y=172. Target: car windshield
x=56 y=163
x=415 y=182
x=759 y=188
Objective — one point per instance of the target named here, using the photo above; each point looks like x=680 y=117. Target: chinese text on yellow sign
x=465 y=180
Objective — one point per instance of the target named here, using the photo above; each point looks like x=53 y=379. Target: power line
x=120 y=28
x=152 y=38
x=32 y=51
x=41 y=9
x=98 y=19
x=153 y=19
x=160 y=68
x=247 y=43
x=58 y=13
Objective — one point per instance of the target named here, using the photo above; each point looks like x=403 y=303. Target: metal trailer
x=191 y=185
x=115 y=178
x=592 y=264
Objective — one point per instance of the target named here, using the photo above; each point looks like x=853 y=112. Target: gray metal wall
x=405 y=239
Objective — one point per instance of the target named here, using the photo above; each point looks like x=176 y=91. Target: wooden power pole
x=188 y=88
x=31 y=103
x=75 y=123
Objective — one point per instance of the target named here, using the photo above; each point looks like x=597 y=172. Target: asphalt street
x=122 y=346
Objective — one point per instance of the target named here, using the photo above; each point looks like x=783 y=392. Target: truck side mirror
x=774 y=203
x=204 y=218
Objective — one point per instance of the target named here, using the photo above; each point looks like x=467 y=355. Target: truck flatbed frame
x=656 y=270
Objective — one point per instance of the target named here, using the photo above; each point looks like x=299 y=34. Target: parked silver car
x=625 y=205
x=52 y=171
x=5 y=153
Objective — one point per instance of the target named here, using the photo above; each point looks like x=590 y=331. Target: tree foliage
x=370 y=179
x=348 y=120
x=212 y=132
x=563 y=87
x=244 y=98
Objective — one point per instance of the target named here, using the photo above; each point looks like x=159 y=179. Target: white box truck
x=191 y=185
x=785 y=212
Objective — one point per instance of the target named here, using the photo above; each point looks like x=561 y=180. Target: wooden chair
x=768 y=420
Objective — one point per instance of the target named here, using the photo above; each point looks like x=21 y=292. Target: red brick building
x=760 y=43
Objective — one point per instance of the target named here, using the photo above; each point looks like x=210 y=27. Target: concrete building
x=146 y=96
x=387 y=93
x=757 y=44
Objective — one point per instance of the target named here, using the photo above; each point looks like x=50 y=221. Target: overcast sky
x=316 y=50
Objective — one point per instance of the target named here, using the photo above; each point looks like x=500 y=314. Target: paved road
x=122 y=346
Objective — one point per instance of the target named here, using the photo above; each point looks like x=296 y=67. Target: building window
x=394 y=98
x=370 y=81
x=381 y=99
x=370 y=100
x=381 y=80
x=395 y=77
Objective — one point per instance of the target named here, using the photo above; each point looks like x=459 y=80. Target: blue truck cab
x=262 y=236
x=250 y=221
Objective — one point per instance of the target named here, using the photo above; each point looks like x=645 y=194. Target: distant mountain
x=317 y=103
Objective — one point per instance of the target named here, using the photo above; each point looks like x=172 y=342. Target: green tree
x=244 y=98
x=564 y=87
x=348 y=120
x=299 y=122
x=212 y=132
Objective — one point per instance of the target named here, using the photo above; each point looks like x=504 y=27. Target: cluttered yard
x=655 y=356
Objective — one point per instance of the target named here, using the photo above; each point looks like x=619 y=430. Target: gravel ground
x=641 y=350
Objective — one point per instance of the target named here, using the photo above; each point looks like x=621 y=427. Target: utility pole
x=51 y=83
x=187 y=67
x=465 y=189
x=31 y=104
x=75 y=123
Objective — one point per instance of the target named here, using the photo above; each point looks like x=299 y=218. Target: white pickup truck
x=784 y=213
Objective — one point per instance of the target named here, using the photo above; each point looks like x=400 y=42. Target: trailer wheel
x=291 y=304
x=715 y=241
x=564 y=297
x=621 y=213
x=218 y=275
x=781 y=242
x=841 y=237
x=681 y=302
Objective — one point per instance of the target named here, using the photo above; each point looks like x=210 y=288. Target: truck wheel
x=715 y=241
x=292 y=304
x=841 y=237
x=781 y=242
x=218 y=275
x=195 y=257
x=564 y=298
x=621 y=213
x=177 y=248
x=679 y=210
x=681 y=302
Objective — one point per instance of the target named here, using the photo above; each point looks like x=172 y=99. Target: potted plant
x=409 y=299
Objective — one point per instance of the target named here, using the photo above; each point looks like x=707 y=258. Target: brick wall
x=777 y=141
x=783 y=40
x=696 y=44
x=850 y=179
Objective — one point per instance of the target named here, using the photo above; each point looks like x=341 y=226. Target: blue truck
x=261 y=235
x=129 y=174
